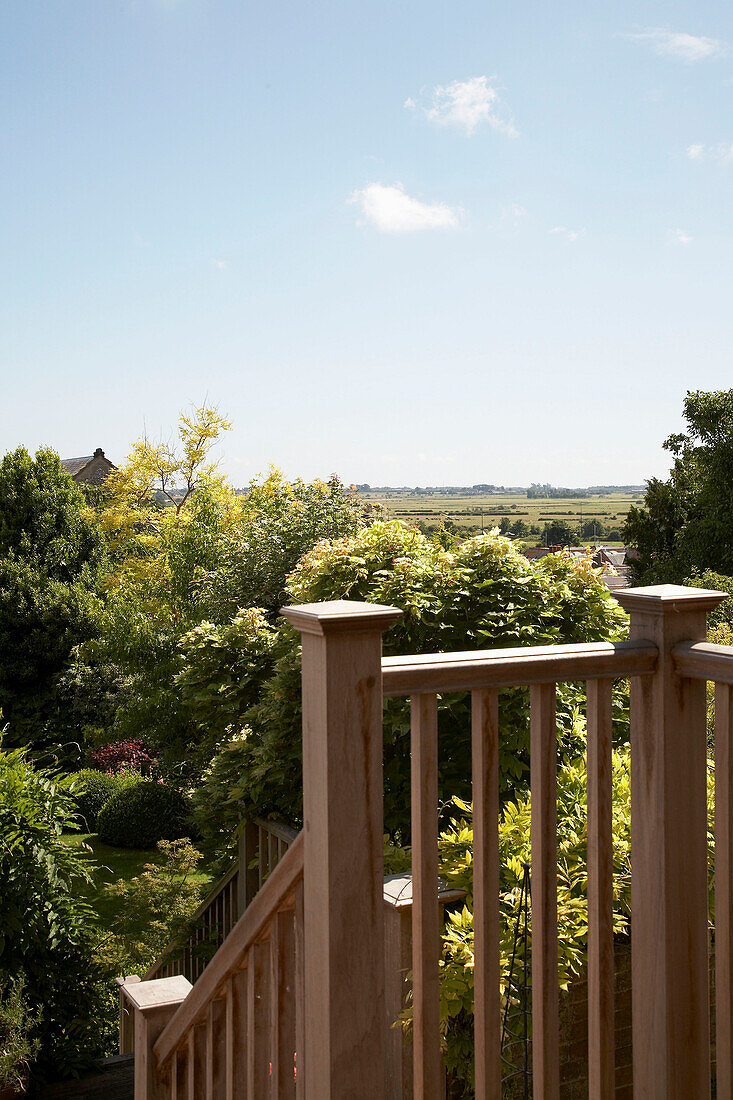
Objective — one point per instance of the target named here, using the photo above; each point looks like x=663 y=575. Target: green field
x=484 y=512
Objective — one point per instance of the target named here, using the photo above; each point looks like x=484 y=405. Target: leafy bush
x=141 y=814
x=92 y=790
x=18 y=1044
x=480 y=594
x=217 y=812
x=154 y=908
x=128 y=755
x=47 y=931
x=456 y=867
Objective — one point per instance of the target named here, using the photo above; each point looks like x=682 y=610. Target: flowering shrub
x=119 y=756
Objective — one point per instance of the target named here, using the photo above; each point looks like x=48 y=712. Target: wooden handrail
x=433 y=672
x=245 y=933
x=284 y=832
x=704 y=661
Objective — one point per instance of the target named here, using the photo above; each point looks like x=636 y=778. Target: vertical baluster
x=274 y=984
x=190 y=1055
x=259 y=1082
x=215 y=1049
x=724 y=890
x=299 y=1067
x=428 y=1074
x=601 y=1046
x=283 y=990
x=487 y=1006
x=545 y=1000
x=173 y=1091
x=239 y=1036
x=260 y=857
x=271 y=852
x=229 y=1041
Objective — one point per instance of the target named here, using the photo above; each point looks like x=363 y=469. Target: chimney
x=99 y=453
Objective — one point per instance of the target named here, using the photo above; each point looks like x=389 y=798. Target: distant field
x=486 y=511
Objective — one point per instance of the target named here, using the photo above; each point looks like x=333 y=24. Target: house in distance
x=90 y=470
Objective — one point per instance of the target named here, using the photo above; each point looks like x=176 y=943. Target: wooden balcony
x=293 y=1003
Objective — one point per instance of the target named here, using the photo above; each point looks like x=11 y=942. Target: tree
x=51 y=554
x=686 y=522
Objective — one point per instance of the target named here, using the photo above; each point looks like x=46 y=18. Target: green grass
x=116 y=863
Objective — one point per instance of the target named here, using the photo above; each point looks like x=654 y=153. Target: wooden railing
x=325 y=994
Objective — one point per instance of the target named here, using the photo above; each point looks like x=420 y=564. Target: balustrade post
x=345 y=1040
x=126 y=1040
x=669 y=896
x=153 y=1004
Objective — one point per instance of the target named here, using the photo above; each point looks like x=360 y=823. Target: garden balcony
x=293 y=1003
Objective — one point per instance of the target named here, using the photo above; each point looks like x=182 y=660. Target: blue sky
x=411 y=243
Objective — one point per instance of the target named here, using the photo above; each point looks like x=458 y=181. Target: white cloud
x=680 y=237
x=685 y=47
x=722 y=151
x=220 y=264
x=466 y=104
x=390 y=210
x=568 y=234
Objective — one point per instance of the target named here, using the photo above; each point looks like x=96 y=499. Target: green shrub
x=153 y=909
x=456 y=867
x=480 y=594
x=142 y=813
x=18 y=1042
x=92 y=790
x=47 y=930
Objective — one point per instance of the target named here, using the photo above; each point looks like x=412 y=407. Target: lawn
x=116 y=863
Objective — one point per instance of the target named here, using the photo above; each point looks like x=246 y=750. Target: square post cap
x=659 y=599
x=157 y=993
x=340 y=616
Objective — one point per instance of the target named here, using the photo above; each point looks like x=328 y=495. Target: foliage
x=218 y=808
x=46 y=928
x=92 y=790
x=153 y=908
x=280 y=521
x=121 y=756
x=18 y=1042
x=191 y=551
x=143 y=813
x=686 y=522
x=456 y=867
x=51 y=553
x=480 y=594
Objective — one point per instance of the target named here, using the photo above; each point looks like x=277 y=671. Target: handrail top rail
x=439 y=672
x=277 y=828
x=704 y=661
x=246 y=932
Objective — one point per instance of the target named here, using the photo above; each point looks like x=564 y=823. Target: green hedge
x=141 y=814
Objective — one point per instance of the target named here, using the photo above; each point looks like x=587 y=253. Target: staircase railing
x=235 y=1034
x=238 y=1027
